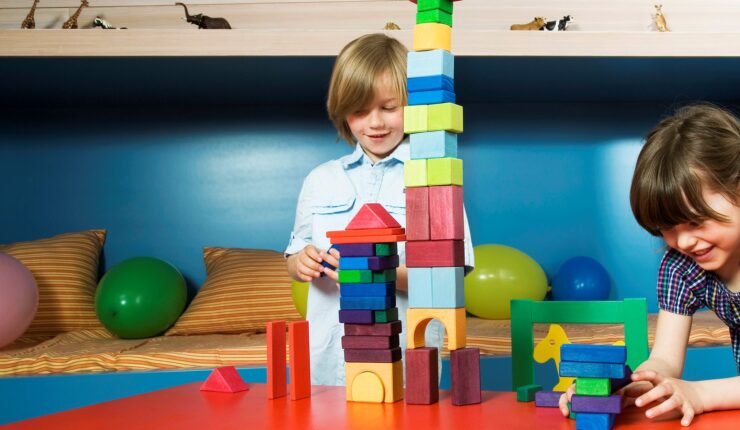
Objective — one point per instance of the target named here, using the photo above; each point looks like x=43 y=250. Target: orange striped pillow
x=66 y=272
x=244 y=289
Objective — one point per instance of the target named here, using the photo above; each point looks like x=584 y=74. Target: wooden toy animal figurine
x=205 y=22
x=660 y=19
x=99 y=22
x=559 y=25
x=537 y=23
x=391 y=26
x=71 y=23
x=30 y=22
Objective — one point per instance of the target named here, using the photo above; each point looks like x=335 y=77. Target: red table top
x=186 y=407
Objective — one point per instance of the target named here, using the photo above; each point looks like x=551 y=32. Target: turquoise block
x=433 y=144
x=354 y=263
x=420 y=287
x=589 y=421
x=367 y=303
x=430 y=63
x=448 y=288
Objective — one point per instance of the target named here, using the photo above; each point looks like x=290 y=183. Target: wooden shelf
x=312 y=43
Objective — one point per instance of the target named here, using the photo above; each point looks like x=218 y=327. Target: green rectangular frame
x=524 y=313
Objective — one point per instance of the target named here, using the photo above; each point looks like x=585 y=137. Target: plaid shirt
x=684 y=287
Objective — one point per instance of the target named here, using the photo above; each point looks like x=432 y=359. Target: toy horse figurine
x=549 y=348
x=30 y=22
x=71 y=23
x=537 y=23
x=558 y=25
x=205 y=22
x=660 y=19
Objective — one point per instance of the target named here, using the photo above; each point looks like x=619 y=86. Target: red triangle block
x=372 y=215
x=225 y=380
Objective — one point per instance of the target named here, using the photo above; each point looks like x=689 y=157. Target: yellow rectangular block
x=415 y=173
x=445 y=116
x=432 y=35
x=452 y=318
x=444 y=171
x=388 y=385
x=415 y=118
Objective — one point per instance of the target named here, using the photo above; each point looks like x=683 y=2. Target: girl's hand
x=634 y=390
x=565 y=399
x=332 y=258
x=308 y=263
x=673 y=394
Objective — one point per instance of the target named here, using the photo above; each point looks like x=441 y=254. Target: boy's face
x=378 y=127
x=714 y=245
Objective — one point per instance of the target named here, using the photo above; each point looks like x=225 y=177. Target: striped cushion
x=66 y=271
x=244 y=289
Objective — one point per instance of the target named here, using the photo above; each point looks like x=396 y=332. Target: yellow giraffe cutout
x=549 y=348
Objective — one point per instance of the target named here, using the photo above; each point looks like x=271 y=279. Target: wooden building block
x=611 y=404
x=591 y=421
x=364 y=232
x=448 y=288
x=445 y=116
x=383 y=263
x=432 y=35
x=434 y=15
x=422 y=387
x=386 y=316
x=618 y=383
x=435 y=253
x=417 y=212
x=369 y=239
x=465 y=375
x=446 y=212
x=387 y=275
x=389 y=374
x=432 y=144
x=415 y=173
x=355 y=276
x=547 y=399
x=593 y=386
x=591 y=370
x=376 y=289
x=356 y=249
x=370 y=342
x=431 y=97
x=386 y=329
x=444 y=171
x=420 y=287
x=368 y=263
x=422 y=5
x=430 y=83
x=300 y=365
x=526 y=393
x=382 y=249
x=372 y=215
x=593 y=353
x=225 y=380
x=276 y=381
x=356 y=316
x=353 y=263
x=372 y=355
x=415 y=118
x=371 y=303
x=367 y=387
x=453 y=320
x=430 y=63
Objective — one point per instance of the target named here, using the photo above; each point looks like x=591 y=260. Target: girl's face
x=714 y=245
x=378 y=127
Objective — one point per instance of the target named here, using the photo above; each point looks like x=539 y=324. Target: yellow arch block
x=432 y=35
x=389 y=375
x=452 y=318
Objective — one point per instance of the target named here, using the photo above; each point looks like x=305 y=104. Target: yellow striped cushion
x=244 y=289
x=66 y=271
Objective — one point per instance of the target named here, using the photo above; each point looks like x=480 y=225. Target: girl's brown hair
x=698 y=145
x=358 y=69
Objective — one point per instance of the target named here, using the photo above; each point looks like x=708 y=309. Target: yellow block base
x=384 y=381
x=432 y=35
x=452 y=318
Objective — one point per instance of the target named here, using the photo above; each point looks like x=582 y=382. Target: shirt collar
x=401 y=153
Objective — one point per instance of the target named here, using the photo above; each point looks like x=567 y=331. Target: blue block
x=420 y=287
x=430 y=63
x=589 y=421
x=433 y=144
x=377 y=289
x=367 y=303
x=593 y=353
x=448 y=290
x=431 y=97
x=354 y=263
x=591 y=370
x=430 y=83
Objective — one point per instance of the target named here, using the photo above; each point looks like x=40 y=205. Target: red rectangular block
x=300 y=365
x=417 y=213
x=446 y=213
x=369 y=239
x=465 y=373
x=422 y=387
x=370 y=342
x=435 y=253
x=276 y=359
x=385 y=329
x=364 y=233
x=372 y=355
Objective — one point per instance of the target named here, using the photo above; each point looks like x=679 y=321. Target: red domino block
x=276 y=359
x=363 y=233
x=465 y=372
x=369 y=239
x=300 y=366
x=224 y=380
x=435 y=253
x=417 y=213
x=370 y=342
x=445 y=213
x=372 y=215
x=380 y=329
x=422 y=387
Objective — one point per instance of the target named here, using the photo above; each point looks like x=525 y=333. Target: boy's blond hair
x=358 y=69
x=699 y=145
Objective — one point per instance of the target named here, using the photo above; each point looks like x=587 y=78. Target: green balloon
x=299 y=291
x=502 y=273
x=140 y=297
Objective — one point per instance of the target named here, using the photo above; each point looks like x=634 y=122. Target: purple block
x=597 y=404
x=547 y=399
x=356 y=249
x=621 y=382
x=356 y=316
x=382 y=263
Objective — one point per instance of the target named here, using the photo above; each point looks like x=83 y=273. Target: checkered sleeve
x=677 y=283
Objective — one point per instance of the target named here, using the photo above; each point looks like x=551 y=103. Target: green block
x=387 y=275
x=525 y=393
x=444 y=116
x=593 y=386
x=387 y=315
x=383 y=249
x=424 y=5
x=444 y=171
x=434 y=15
x=355 y=276
x=415 y=118
x=415 y=173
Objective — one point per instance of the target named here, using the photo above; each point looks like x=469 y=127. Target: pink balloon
x=19 y=298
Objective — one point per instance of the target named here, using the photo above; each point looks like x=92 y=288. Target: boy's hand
x=673 y=394
x=308 y=263
x=565 y=399
x=332 y=258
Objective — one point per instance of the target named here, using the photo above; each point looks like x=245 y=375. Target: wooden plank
x=372 y=355
x=300 y=366
x=370 y=342
x=600 y=405
x=593 y=353
x=276 y=381
x=422 y=386
x=465 y=375
x=385 y=329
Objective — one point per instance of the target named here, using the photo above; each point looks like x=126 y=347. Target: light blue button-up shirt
x=331 y=196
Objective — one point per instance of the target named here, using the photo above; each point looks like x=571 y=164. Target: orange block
x=224 y=380
x=369 y=239
x=366 y=232
x=300 y=364
x=276 y=359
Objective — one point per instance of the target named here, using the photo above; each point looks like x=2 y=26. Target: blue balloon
x=581 y=278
